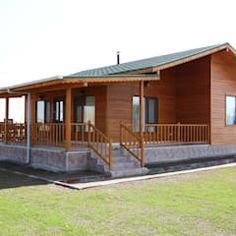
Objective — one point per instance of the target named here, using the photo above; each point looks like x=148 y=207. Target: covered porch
x=80 y=118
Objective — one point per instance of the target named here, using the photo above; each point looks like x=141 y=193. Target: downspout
x=28 y=122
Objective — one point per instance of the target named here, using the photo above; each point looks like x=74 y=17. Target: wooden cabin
x=184 y=100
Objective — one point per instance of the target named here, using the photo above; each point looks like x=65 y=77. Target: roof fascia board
x=191 y=58
x=80 y=80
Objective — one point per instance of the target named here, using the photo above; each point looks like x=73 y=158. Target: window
x=230 y=110
x=149 y=114
x=43 y=112
x=135 y=113
x=40 y=112
x=151 y=111
x=59 y=111
x=84 y=109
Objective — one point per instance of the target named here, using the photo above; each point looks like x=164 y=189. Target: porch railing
x=158 y=134
x=100 y=144
x=15 y=133
x=132 y=142
x=176 y=133
x=79 y=134
x=48 y=134
x=2 y=132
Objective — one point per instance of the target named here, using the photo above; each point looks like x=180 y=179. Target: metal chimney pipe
x=118 y=57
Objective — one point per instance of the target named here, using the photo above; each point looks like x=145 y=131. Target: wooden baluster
x=50 y=134
x=187 y=133
x=56 y=135
x=110 y=154
x=178 y=133
x=59 y=134
x=196 y=128
x=203 y=132
x=82 y=134
x=89 y=134
x=200 y=133
x=168 y=133
x=46 y=126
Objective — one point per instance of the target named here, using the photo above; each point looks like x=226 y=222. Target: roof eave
x=83 y=80
x=194 y=57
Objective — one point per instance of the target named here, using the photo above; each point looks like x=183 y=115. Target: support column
x=68 y=119
x=33 y=136
x=26 y=108
x=6 y=119
x=28 y=135
x=141 y=121
x=141 y=95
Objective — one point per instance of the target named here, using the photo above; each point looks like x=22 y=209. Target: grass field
x=201 y=203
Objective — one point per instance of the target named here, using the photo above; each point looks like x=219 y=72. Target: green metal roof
x=144 y=64
x=115 y=71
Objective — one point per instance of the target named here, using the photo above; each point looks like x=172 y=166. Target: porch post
x=33 y=136
x=141 y=121
x=6 y=119
x=141 y=94
x=68 y=119
x=26 y=107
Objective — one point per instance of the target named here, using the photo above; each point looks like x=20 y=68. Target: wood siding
x=193 y=93
x=182 y=92
x=119 y=106
x=183 y=96
x=223 y=82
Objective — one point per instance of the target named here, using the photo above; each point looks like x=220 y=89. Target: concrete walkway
x=81 y=186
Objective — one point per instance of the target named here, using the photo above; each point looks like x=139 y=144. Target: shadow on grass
x=9 y=179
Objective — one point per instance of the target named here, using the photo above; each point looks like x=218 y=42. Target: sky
x=44 y=38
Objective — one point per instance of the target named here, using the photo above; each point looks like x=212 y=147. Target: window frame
x=147 y=99
x=59 y=99
x=46 y=102
x=234 y=96
x=83 y=104
x=146 y=111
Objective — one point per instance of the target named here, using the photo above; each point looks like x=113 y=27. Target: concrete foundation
x=186 y=152
x=50 y=159
x=56 y=159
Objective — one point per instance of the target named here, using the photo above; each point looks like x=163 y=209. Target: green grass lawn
x=202 y=203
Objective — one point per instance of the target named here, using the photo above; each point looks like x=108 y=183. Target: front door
x=84 y=109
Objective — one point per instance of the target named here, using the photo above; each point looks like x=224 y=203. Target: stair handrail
x=132 y=142
x=100 y=144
